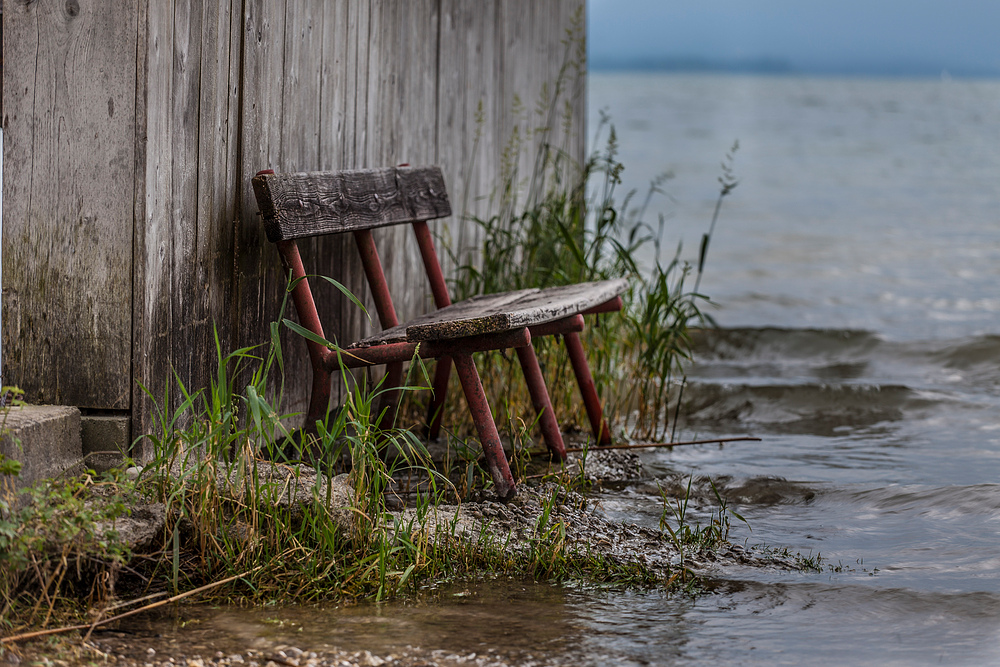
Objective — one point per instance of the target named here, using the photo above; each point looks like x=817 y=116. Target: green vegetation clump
x=572 y=229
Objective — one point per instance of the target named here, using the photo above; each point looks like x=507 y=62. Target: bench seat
x=493 y=313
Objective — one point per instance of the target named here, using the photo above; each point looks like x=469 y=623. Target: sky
x=878 y=37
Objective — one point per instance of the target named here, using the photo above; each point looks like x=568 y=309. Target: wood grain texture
x=404 y=104
x=528 y=308
x=500 y=312
x=151 y=315
x=314 y=203
x=471 y=104
x=184 y=241
x=69 y=127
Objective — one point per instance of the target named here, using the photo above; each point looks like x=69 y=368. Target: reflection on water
x=796 y=620
x=507 y=620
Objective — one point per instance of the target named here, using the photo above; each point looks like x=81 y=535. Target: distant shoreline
x=781 y=67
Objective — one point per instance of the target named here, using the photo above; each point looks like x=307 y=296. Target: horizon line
x=784 y=67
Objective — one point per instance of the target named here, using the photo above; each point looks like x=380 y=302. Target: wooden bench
x=297 y=205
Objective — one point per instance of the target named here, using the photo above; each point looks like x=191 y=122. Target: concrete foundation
x=44 y=438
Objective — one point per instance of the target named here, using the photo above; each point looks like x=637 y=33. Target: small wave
x=836 y=355
x=980 y=351
x=953 y=500
x=768 y=490
x=864 y=603
x=819 y=409
x=781 y=343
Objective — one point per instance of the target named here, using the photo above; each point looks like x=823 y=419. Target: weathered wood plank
x=530 y=307
x=187 y=291
x=212 y=309
x=336 y=84
x=469 y=108
x=260 y=282
x=309 y=204
x=152 y=295
x=499 y=312
x=358 y=63
x=406 y=101
x=69 y=122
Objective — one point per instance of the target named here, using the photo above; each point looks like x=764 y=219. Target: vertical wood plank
x=153 y=241
x=69 y=120
x=259 y=281
x=189 y=358
x=358 y=37
x=300 y=126
x=211 y=306
x=335 y=85
x=469 y=109
x=404 y=109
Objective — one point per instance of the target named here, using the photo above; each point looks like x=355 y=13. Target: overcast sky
x=837 y=36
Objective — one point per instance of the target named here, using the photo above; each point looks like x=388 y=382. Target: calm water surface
x=856 y=270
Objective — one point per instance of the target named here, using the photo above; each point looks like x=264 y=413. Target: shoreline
x=546 y=523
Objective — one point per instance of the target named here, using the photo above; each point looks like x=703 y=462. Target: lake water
x=856 y=270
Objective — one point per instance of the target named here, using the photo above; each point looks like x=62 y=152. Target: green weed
x=688 y=538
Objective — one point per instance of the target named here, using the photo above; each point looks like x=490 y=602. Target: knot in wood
x=340 y=204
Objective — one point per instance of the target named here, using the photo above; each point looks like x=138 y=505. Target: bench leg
x=442 y=373
x=388 y=404
x=487 y=428
x=541 y=402
x=585 y=380
x=319 y=402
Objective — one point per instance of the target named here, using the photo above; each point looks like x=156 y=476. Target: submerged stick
x=649 y=445
x=91 y=626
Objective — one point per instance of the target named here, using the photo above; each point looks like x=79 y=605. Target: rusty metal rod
x=435 y=411
x=609 y=306
x=496 y=460
x=578 y=359
x=432 y=266
x=541 y=402
x=305 y=307
x=392 y=352
x=389 y=401
x=571 y=324
x=648 y=445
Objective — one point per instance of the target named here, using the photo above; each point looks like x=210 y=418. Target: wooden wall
x=132 y=130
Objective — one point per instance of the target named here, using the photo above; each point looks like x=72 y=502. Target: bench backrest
x=297 y=205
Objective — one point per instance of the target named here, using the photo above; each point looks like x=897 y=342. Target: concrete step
x=44 y=438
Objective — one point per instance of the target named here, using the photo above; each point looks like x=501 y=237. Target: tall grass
x=567 y=222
